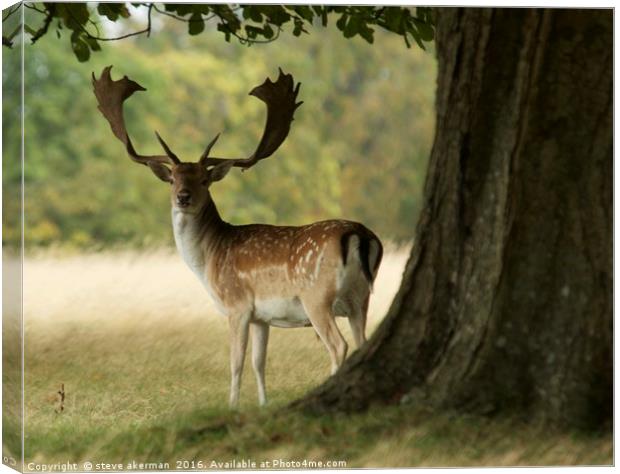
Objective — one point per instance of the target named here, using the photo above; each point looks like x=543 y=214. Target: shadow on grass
x=384 y=436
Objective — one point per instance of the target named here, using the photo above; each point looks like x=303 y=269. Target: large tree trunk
x=506 y=301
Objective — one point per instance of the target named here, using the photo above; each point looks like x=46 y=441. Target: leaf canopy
x=249 y=24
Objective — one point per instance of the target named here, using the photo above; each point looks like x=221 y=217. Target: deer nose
x=183 y=197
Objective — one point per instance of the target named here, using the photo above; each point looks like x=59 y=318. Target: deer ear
x=161 y=171
x=219 y=171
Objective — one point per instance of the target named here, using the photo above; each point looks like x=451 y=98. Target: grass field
x=143 y=356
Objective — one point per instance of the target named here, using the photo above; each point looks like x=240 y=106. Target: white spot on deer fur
x=317 y=266
x=309 y=256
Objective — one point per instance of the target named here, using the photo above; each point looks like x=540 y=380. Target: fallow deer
x=259 y=275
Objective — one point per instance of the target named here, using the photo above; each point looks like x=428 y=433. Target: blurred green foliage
x=11 y=136
x=249 y=24
x=357 y=149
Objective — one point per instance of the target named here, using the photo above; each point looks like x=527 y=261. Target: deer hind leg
x=239 y=326
x=325 y=326
x=260 y=336
x=351 y=299
x=357 y=321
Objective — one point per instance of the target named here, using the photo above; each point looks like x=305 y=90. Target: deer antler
x=280 y=99
x=111 y=95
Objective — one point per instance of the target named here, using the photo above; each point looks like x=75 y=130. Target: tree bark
x=506 y=300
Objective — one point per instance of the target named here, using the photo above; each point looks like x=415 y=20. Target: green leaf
x=425 y=14
x=407 y=40
x=416 y=37
x=342 y=22
x=79 y=12
x=223 y=28
x=305 y=12
x=368 y=34
x=113 y=10
x=104 y=10
x=299 y=27
x=80 y=48
x=181 y=9
x=196 y=24
x=256 y=15
x=92 y=43
x=276 y=14
x=426 y=31
x=28 y=29
x=232 y=22
x=252 y=31
x=393 y=18
x=267 y=31
x=352 y=27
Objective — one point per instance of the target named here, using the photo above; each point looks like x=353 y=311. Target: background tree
x=325 y=171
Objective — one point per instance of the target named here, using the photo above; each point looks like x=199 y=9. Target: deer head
x=190 y=181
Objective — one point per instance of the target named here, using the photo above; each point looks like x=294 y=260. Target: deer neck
x=198 y=236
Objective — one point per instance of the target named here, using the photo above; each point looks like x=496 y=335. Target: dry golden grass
x=134 y=336
x=143 y=356
x=111 y=286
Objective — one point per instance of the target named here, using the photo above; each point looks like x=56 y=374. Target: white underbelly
x=281 y=312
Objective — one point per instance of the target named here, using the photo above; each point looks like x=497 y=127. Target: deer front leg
x=239 y=326
x=260 y=336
